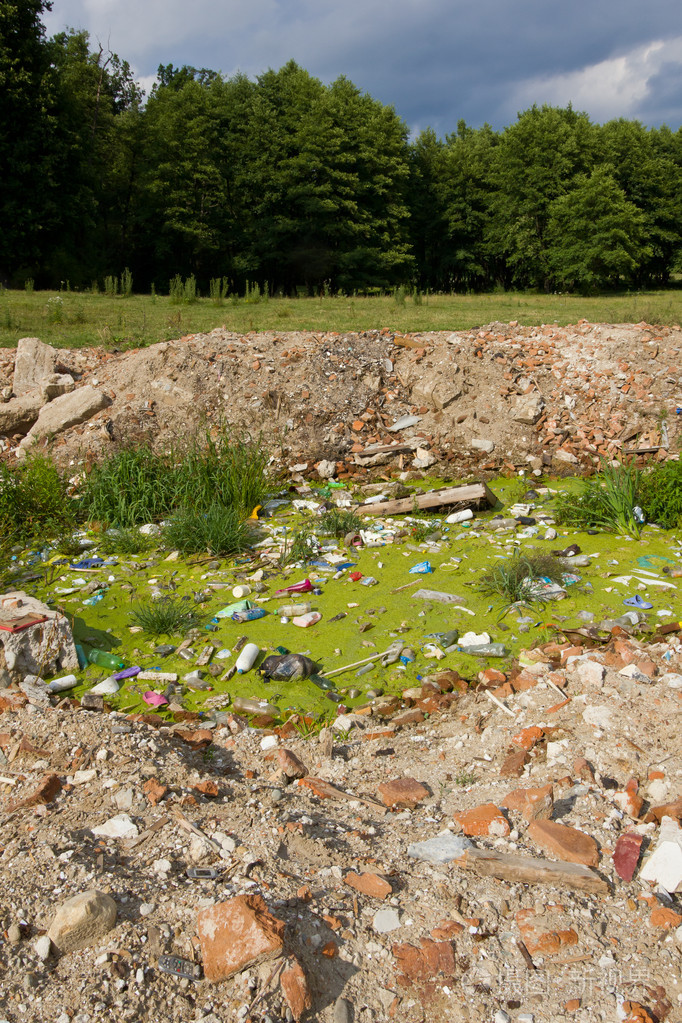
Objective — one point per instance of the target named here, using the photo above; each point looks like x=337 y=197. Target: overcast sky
x=435 y=61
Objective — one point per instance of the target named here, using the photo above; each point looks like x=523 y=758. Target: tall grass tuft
x=126 y=283
x=129 y=488
x=183 y=292
x=514 y=578
x=340 y=521
x=168 y=616
x=661 y=494
x=218 y=531
x=218 y=289
x=605 y=501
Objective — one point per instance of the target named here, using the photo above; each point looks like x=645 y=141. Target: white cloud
x=616 y=87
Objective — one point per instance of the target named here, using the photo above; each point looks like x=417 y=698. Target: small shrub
x=111 y=286
x=128 y=541
x=55 y=309
x=302 y=546
x=33 y=501
x=513 y=578
x=605 y=501
x=340 y=521
x=183 y=292
x=661 y=494
x=399 y=295
x=29 y=285
x=218 y=289
x=126 y=283
x=218 y=531
x=168 y=616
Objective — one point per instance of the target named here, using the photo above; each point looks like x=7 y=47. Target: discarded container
x=251 y=615
x=460 y=516
x=247 y=658
x=364 y=669
x=82 y=659
x=289 y=610
x=240 y=605
x=422 y=568
x=303 y=587
x=104 y=659
x=285 y=667
x=486 y=650
x=311 y=618
x=245 y=705
x=241 y=591
x=369 y=580
x=58 y=685
x=393 y=653
x=408 y=656
x=448 y=638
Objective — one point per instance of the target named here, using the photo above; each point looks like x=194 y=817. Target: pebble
x=386 y=920
x=42 y=947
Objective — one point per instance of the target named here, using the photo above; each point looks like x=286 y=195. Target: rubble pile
x=509 y=850
x=331 y=405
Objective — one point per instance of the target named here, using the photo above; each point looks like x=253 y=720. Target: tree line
x=300 y=186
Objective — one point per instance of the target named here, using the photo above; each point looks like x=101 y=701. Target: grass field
x=69 y=319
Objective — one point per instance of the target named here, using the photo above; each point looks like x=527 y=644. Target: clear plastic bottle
x=485 y=650
x=290 y=610
x=245 y=705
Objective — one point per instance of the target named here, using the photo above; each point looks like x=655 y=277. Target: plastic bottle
x=302 y=587
x=58 y=685
x=104 y=659
x=289 y=610
x=251 y=615
x=285 y=667
x=82 y=659
x=448 y=638
x=311 y=618
x=247 y=658
x=244 y=705
x=485 y=649
x=241 y=591
x=460 y=516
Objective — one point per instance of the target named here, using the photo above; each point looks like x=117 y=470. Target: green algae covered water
x=357 y=620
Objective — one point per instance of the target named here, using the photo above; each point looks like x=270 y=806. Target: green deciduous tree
x=596 y=236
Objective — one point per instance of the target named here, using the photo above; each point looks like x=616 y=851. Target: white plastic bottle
x=289 y=610
x=461 y=516
x=247 y=658
x=241 y=591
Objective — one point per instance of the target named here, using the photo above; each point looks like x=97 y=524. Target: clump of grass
x=128 y=541
x=138 y=485
x=514 y=578
x=302 y=546
x=68 y=545
x=422 y=528
x=218 y=530
x=605 y=501
x=661 y=494
x=34 y=502
x=129 y=488
x=340 y=521
x=168 y=616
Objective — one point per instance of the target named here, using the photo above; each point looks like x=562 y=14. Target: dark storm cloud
x=435 y=61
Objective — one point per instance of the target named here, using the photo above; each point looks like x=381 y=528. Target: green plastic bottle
x=105 y=659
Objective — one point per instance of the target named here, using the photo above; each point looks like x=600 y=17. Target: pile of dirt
x=504 y=395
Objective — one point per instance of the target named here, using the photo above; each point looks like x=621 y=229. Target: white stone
x=269 y=742
x=441 y=848
x=671 y=679
x=42 y=948
x=161 y=866
x=478 y=444
x=599 y=717
x=664 y=865
x=386 y=920
x=120 y=826
x=84 y=777
x=326 y=470
x=82 y=920
x=591 y=672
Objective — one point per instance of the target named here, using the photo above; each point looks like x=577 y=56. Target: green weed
x=129 y=488
x=124 y=542
x=183 y=292
x=301 y=546
x=217 y=530
x=513 y=578
x=605 y=501
x=340 y=521
x=661 y=494
x=33 y=501
x=168 y=616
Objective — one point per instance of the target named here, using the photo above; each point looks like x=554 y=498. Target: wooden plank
x=532 y=870
x=432 y=499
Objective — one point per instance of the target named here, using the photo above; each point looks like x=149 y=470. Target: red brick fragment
x=405 y=792
x=483 y=820
x=295 y=989
x=154 y=790
x=369 y=884
x=238 y=933
x=564 y=842
x=626 y=855
x=532 y=803
x=290 y=764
